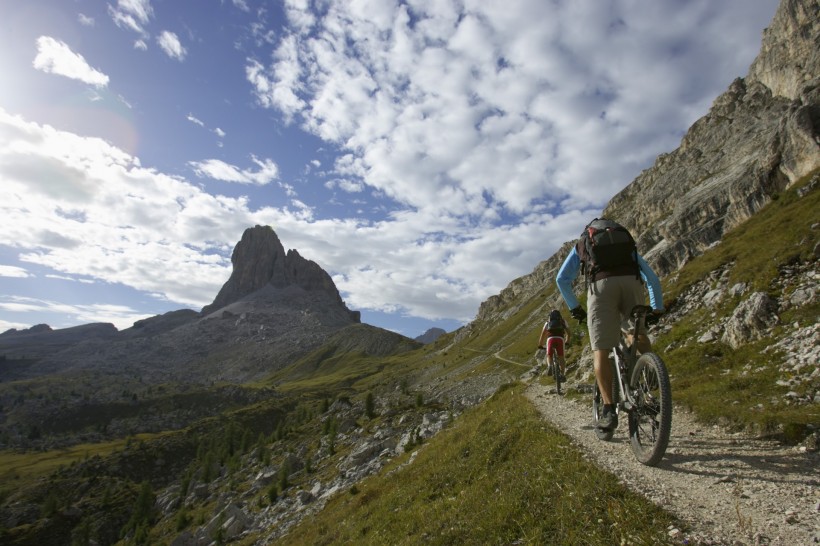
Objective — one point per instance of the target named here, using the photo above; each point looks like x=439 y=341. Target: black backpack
x=555 y=323
x=607 y=246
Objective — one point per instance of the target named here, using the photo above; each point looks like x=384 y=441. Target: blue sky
x=425 y=153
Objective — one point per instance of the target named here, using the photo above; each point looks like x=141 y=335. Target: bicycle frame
x=625 y=357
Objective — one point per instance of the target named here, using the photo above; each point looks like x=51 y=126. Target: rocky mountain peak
x=259 y=260
x=789 y=57
x=760 y=136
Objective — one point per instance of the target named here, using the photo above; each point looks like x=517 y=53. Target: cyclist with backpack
x=555 y=334
x=615 y=275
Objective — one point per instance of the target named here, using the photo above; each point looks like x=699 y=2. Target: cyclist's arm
x=566 y=274
x=543 y=336
x=653 y=284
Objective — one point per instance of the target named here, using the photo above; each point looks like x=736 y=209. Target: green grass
x=733 y=387
x=27 y=465
x=738 y=387
x=499 y=475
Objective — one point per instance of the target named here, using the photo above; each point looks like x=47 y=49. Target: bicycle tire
x=650 y=423
x=604 y=434
x=556 y=371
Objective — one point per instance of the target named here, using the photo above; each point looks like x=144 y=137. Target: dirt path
x=728 y=488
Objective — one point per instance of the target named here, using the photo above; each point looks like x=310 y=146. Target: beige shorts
x=609 y=303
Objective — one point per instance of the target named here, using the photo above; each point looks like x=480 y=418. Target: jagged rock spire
x=259 y=259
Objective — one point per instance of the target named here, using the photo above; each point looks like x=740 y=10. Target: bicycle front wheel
x=650 y=423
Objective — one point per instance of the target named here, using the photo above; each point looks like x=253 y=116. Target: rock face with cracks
x=759 y=137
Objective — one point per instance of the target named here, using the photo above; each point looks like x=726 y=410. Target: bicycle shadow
x=728 y=459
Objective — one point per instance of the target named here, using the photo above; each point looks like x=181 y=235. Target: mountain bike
x=641 y=388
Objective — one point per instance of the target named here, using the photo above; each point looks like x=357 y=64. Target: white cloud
x=72 y=279
x=219 y=170
x=13 y=271
x=193 y=119
x=132 y=14
x=157 y=233
x=55 y=57
x=126 y=223
x=85 y=20
x=119 y=315
x=498 y=105
x=170 y=44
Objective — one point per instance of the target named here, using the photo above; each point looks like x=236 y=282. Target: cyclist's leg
x=603 y=374
x=604 y=318
x=633 y=294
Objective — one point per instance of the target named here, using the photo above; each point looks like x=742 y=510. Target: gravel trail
x=728 y=488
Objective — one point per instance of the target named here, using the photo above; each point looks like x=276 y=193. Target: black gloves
x=578 y=314
x=653 y=317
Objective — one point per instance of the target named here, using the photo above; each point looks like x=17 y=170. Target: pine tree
x=369 y=406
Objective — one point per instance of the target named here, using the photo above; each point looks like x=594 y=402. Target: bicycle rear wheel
x=650 y=423
x=556 y=371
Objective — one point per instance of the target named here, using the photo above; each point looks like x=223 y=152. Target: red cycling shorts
x=556 y=342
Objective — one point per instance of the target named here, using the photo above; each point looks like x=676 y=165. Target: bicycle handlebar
x=640 y=311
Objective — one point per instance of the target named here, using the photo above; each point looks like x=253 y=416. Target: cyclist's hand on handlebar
x=653 y=317
x=578 y=314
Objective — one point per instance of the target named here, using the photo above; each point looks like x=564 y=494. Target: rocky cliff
x=275 y=308
x=259 y=260
x=759 y=137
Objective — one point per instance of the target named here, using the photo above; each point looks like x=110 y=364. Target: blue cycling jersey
x=572 y=265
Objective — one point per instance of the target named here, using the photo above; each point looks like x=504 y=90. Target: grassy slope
x=498 y=476
x=739 y=386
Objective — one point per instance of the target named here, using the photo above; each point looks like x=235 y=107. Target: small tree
x=143 y=513
x=284 y=473
x=369 y=406
x=183 y=519
x=273 y=493
x=331 y=436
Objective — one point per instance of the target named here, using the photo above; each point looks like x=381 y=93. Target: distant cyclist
x=555 y=335
x=614 y=279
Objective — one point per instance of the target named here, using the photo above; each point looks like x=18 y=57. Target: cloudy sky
x=423 y=152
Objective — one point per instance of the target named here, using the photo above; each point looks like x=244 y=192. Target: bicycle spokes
x=650 y=421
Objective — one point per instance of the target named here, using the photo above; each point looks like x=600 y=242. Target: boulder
x=750 y=320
